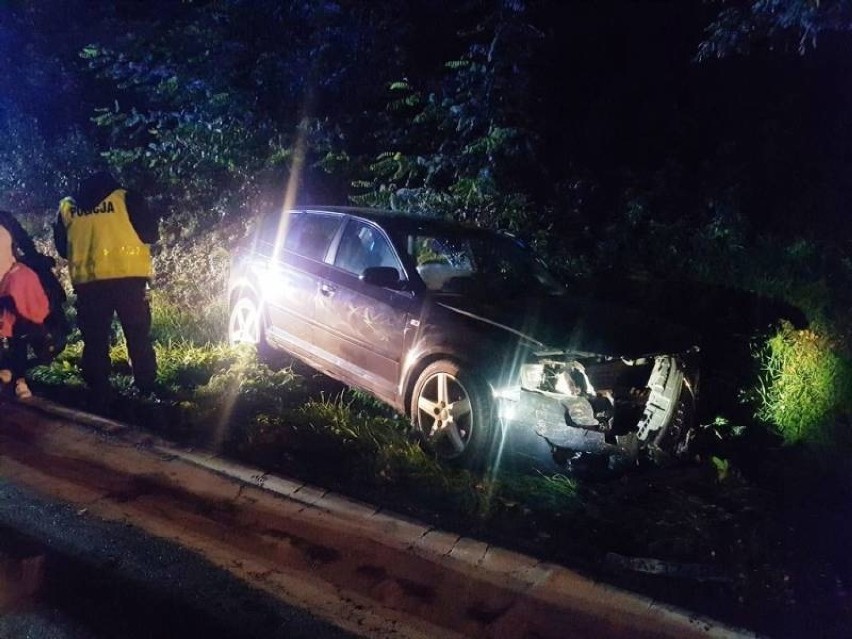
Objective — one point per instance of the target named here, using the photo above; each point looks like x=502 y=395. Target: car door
x=362 y=325
x=296 y=272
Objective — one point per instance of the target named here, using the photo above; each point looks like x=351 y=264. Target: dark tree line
x=615 y=134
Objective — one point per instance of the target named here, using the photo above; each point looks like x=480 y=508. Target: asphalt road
x=107 y=579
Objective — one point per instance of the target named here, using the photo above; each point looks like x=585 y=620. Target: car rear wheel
x=451 y=410
x=244 y=323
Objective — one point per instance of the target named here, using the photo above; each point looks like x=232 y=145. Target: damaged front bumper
x=606 y=406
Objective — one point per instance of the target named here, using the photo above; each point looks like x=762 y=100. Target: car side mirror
x=384 y=276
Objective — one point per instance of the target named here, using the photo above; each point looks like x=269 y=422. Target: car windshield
x=479 y=262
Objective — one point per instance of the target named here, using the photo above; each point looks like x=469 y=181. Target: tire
x=245 y=325
x=451 y=409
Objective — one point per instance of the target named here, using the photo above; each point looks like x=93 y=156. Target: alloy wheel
x=444 y=413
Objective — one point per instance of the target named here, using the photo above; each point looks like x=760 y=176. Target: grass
x=804 y=387
x=204 y=324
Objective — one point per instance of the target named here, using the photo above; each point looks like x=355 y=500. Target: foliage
x=812 y=276
x=34 y=169
x=45 y=140
x=805 y=385
x=191 y=271
x=779 y=22
x=464 y=151
x=184 y=365
x=722 y=466
x=224 y=103
x=649 y=241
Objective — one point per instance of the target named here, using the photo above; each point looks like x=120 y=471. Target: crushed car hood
x=576 y=324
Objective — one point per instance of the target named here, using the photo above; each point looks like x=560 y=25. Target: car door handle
x=328 y=290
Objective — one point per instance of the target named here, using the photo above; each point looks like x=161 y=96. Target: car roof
x=396 y=221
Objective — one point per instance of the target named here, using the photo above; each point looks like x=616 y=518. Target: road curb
x=547 y=583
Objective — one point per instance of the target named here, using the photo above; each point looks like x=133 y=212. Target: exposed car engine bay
x=588 y=403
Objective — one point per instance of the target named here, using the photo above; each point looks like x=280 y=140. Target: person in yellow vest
x=105 y=232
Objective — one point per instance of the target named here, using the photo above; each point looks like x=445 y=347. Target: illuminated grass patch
x=804 y=384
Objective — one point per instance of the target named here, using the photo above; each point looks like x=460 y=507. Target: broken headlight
x=564 y=378
x=532 y=376
x=569 y=385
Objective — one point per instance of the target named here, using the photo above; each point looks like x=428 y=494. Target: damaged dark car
x=465 y=332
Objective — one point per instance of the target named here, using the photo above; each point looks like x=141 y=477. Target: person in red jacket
x=23 y=303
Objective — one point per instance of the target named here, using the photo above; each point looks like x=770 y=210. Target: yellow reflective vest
x=102 y=243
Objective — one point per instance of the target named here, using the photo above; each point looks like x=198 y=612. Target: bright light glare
x=266 y=278
x=511 y=393
x=291 y=190
x=267 y=282
x=506 y=409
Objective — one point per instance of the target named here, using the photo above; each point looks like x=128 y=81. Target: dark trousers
x=13 y=356
x=97 y=302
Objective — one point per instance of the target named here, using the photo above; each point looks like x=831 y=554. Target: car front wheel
x=451 y=409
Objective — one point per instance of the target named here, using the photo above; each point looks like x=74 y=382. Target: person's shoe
x=22 y=391
x=5 y=376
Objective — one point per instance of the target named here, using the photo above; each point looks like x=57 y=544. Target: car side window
x=363 y=246
x=309 y=234
x=441 y=260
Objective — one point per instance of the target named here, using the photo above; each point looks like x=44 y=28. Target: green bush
x=805 y=385
x=191 y=266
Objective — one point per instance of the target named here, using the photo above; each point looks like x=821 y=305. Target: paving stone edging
x=522 y=573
